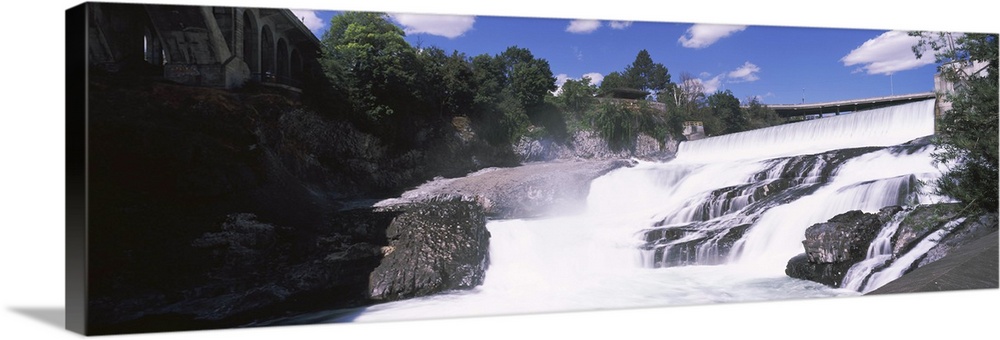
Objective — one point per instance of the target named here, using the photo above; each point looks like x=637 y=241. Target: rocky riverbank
x=588 y=145
x=216 y=208
x=973 y=266
x=863 y=251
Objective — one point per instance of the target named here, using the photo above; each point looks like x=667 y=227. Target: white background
x=32 y=184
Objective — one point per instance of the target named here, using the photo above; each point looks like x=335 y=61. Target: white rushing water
x=605 y=257
x=879 y=252
x=881 y=127
x=904 y=262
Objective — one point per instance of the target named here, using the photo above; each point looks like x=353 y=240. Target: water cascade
x=717 y=224
x=879 y=252
x=879 y=268
x=906 y=261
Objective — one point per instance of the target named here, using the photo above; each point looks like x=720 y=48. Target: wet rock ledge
x=531 y=190
x=833 y=247
x=836 y=245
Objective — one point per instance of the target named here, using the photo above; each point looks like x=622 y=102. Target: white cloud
x=448 y=26
x=711 y=85
x=311 y=20
x=759 y=98
x=620 y=25
x=583 y=26
x=708 y=85
x=595 y=79
x=589 y=26
x=702 y=35
x=745 y=73
x=886 y=54
x=560 y=80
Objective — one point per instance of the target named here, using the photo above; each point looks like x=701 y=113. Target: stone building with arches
x=210 y=46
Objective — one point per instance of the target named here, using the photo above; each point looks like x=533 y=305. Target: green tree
x=617 y=124
x=446 y=83
x=726 y=107
x=577 y=95
x=509 y=85
x=488 y=75
x=612 y=81
x=967 y=133
x=760 y=115
x=529 y=79
x=515 y=73
x=371 y=56
x=644 y=74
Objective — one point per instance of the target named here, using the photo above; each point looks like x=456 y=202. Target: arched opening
x=125 y=39
x=152 y=49
x=266 y=54
x=295 y=62
x=282 y=59
x=250 y=41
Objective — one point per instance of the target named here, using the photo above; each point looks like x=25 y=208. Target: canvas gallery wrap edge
x=235 y=167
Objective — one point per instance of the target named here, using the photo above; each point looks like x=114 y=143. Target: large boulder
x=434 y=246
x=831 y=248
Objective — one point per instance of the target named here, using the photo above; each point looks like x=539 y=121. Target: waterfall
x=867 y=275
x=879 y=252
x=880 y=127
x=717 y=224
x=751 y=205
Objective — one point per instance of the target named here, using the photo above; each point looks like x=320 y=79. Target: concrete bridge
x=201 y=45
x=842 y=106
x=837 y=107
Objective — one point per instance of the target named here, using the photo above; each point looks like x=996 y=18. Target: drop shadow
x=54 y=316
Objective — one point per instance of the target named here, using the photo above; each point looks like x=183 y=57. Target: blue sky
x=779 y=65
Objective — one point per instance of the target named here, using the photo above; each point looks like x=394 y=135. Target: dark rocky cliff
x=213 y=208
